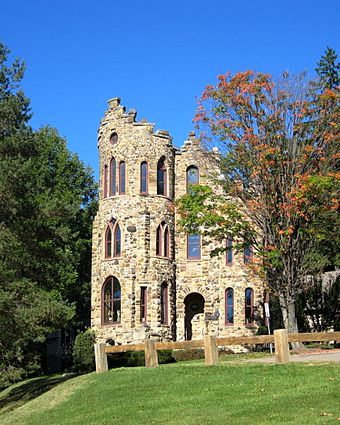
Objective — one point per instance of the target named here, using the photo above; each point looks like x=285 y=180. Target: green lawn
x=182 y=394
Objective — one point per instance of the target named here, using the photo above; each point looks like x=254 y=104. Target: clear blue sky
x=156 y=55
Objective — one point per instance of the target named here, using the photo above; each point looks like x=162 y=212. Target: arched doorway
x=194 y=304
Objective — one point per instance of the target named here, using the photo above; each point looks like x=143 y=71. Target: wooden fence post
x=281 y=346
x=101 y=358
x=151 y=357
x=210 y=350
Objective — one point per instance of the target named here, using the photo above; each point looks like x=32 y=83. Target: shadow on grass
x=31 y=389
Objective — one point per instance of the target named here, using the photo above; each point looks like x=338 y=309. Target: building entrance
x=194 y=307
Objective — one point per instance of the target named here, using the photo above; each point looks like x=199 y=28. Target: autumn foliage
x=279 y=163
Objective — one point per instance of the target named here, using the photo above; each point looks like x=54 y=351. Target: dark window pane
x=144 y=177
x=108 y=251
x=229 y=251
x=229 y=306
x=117 y=241
x=161 y=177
x=122 y=177
x=113 y=177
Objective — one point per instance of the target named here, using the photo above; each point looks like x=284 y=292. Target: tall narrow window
x=113 y=240
x=229 y=307
x=249 y=307
x=194 y=247
x=143 y=304
x=117 y=240
x=111 y=301
x=122 y=177
x=166 y=242
x=163 y=240
x=164 y=304
x=229 y=253
x=248 y=254
x=161 y=177
x=192 y=177
x=112 y=177
x=105 y=181
x=108 y=242
x=144 y=178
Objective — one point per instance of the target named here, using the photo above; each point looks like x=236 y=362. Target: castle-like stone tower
x=149 y=279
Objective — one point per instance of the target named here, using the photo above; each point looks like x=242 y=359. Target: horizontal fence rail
x=210 y=343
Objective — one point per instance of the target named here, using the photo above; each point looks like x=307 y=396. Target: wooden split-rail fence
x=210 y=343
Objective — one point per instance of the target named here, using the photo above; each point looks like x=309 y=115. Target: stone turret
x=136 y=197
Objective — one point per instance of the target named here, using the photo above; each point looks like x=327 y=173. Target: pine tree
x=328 y=70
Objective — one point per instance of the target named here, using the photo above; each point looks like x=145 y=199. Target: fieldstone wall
x=138 y=216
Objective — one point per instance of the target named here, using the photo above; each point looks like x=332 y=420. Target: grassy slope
x=190 y=394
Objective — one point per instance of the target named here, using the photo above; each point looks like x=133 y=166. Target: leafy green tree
x=328 y=70
x=47 y=202
x=278 y=149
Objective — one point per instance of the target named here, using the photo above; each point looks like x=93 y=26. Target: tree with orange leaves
x=279 y=171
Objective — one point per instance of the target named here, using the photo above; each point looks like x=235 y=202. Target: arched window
x=144 y=178
x=113 y=240
x=161 y=177
x=229 y=306
x=122 y=178
x=192 y=177
x=248 y=254
x=111 y=301
x=113 y=138
x=194 y=247
x=164 y=304
x=105 y=181
x=229 y=252
x=112 y=177
x=249 y=307
x=162 y=240
x=108 y=242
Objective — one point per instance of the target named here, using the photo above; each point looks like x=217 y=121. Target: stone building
x=149 y=279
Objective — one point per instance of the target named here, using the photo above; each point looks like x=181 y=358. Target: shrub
x=83 y=352
x=137 y=358
x=193 y=354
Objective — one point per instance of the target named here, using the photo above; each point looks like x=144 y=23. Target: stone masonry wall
x=139 y=216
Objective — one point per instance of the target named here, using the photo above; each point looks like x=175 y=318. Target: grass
x=187 y=394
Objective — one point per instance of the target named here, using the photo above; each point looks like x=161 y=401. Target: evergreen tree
x=47 y=202
x=328 y=70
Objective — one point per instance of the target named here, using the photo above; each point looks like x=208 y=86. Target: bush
x=193 y=354
x=137 y=358
x=83 y=352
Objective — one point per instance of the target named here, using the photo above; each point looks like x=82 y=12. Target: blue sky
x=156 y=55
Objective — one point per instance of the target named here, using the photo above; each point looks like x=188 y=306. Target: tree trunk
x=289 y=318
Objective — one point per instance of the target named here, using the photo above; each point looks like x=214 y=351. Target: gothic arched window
x=192 y=177
x=161 y=177
x=113 y=240
x=112 y=177
x=144 y=178
x=163 y=240
x=111 y=301
x=122 y=177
